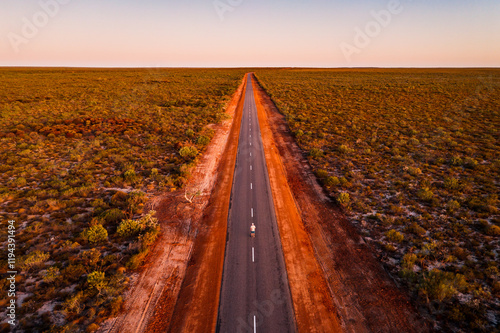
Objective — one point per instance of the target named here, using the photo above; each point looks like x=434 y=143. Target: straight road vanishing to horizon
x=255 y=295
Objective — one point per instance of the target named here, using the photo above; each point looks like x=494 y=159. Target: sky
x=250 y=33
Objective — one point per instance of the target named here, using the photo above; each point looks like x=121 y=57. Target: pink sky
x=250 y=33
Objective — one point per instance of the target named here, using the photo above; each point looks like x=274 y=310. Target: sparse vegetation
x=417 y=151
x=81 y=152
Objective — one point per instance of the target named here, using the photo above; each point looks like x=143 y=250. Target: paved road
x=255 y=296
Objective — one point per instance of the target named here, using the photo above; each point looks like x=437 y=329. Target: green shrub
x=128 y=228
x=452 y=205
x=34 y=259
x=73 y=305
x=135 y=201
x=95 y=234
x=97 y=280
x=72 y=273
x=496 y=287
x=115 y=306
x=414 y=141
x=316 y=153
x=414 y=171
x=51 y=274
x=343 y=198
x=148 y=238
x=149 y=221
x=409 y=260
x=119 y=198
x=116 y=180
x=456 y=161
x=130 y=176
x=451 y=183
x=113 y=215
x=20 y=181
x=491 y=203
x=439 y=285
x=394 y=236
x=321 y=174
x=190 y=133
x=332 y=181
x=154 y=173
x=389 y=247
x=99 y=203
x=343 y=181
x=136 y=260
x=92 y=328
x=425 y=194
x=344 y=149
x=477 y=204
x=416 y=229
x=470 y=163
x=188 y=152
x=145 y=225
x=203 y=140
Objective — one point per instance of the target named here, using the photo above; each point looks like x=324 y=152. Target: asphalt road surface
x=255 y=296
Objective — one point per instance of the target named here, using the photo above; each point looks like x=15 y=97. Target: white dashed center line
x=253 y=254
x=252 y=212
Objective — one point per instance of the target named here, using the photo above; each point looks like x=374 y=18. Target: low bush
x=394 y=236
x=128 y=228
x=34 y=259
x=425 y=194
x=136 y=260
x=188 y=152
x=316 y=153
x=322 y=174
x=439 y=285
x=203 y=140
x=332 y=181
x=97 y=280
x=95 y=234
x=113 y=215
x=343 y=199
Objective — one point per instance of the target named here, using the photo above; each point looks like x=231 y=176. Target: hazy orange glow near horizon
x=244 y=33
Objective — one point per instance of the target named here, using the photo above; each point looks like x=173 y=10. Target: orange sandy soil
x=150 y=302
x=359 y=294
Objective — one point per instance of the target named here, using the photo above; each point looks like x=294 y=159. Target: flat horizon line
x=243 y=67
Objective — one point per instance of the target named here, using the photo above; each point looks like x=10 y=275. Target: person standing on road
x=252 y=230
